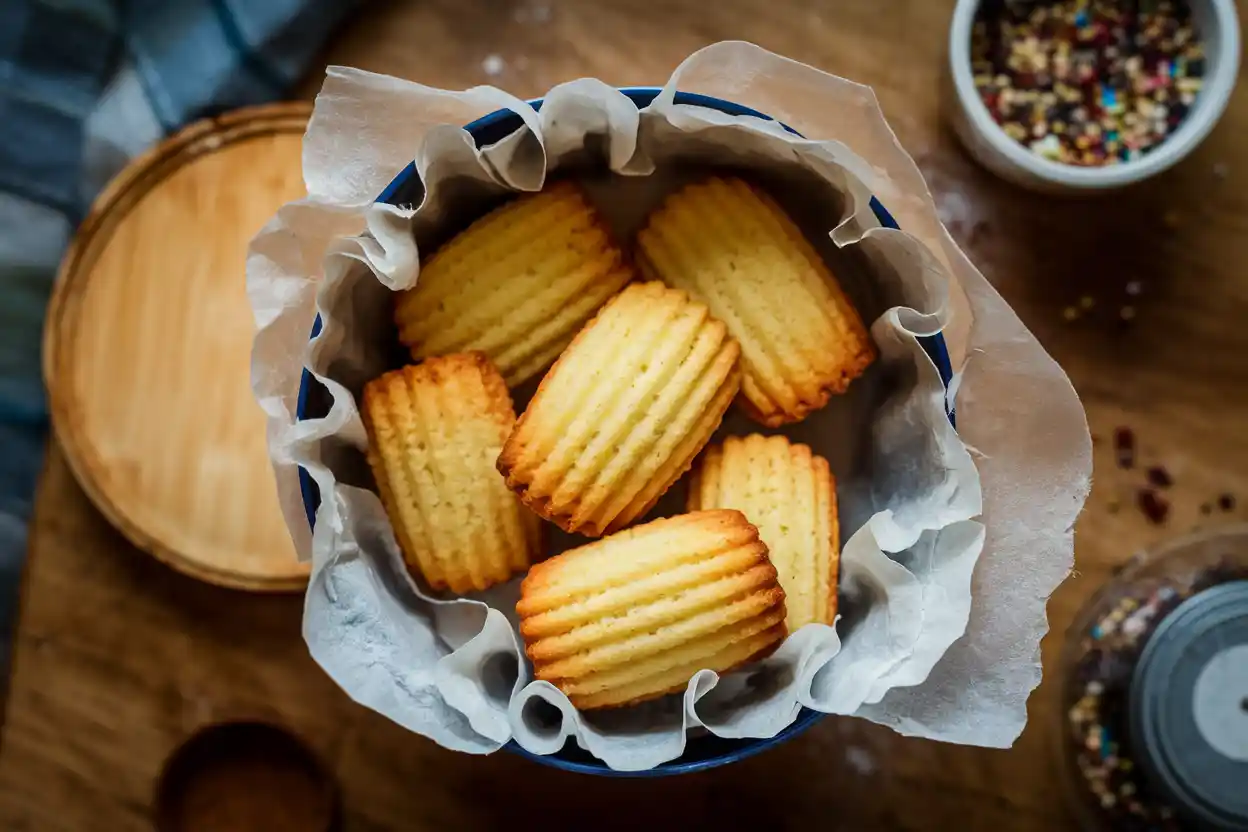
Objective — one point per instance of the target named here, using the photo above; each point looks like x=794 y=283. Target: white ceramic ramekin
x=1218 y=26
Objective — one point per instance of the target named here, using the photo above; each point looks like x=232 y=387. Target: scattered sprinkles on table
x=1155 y=507
x=1087 y=82
x=1149 y=496
x=1124 y=447
x=1159 y=477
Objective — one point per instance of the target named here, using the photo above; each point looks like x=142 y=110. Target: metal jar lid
x=1189 y=708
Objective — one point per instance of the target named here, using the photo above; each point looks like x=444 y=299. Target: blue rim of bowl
x=703 y=752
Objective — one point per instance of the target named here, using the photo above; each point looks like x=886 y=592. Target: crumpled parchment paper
x=948 y=560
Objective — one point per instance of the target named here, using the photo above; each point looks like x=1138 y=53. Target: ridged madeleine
x=731 y=247
x=635 y=615
x=517 y=284
x=789 y=494
x=623 y=412
x=435 y=431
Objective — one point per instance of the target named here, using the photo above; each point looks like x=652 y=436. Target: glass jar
x=1154 y=684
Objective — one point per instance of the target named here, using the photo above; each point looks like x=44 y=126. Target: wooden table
x=117 y=659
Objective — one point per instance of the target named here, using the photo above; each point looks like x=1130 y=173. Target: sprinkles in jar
x=1087 y=82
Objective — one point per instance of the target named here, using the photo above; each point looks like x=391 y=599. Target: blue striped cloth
x=84 y=86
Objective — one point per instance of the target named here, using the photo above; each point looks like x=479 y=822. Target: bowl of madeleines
x=550 y=378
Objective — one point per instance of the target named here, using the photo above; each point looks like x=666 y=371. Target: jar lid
x=1189 y=708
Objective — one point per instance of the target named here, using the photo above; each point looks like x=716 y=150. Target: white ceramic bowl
x=1217 y=25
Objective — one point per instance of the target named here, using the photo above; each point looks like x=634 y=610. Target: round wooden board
x=147 y=350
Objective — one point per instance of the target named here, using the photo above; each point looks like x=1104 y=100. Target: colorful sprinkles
x=1155 y=507
x=1157 y=492
x=1087 y=82
x=1124 y=447
x=1097 y=698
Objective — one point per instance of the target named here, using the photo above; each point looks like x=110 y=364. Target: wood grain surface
x=118 y=659
x=147 y=349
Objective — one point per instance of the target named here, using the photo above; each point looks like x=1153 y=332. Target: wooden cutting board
x=147 y=350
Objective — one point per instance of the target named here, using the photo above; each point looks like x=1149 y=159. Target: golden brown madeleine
x=434 y=432
x=790 y=495
x=730 y=246
x=517 y=284
x=623 y=412
x=635 y=615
